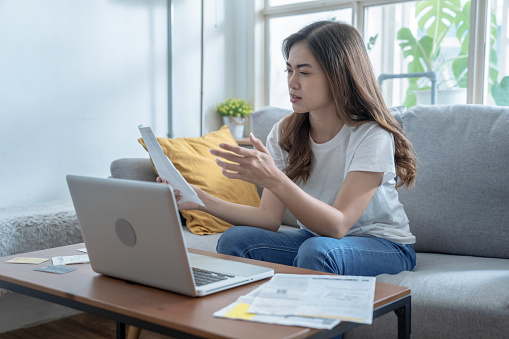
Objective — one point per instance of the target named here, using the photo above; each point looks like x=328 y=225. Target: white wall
x=78 y=77
x=225 y=45
x=186 y=68
x=217 y=65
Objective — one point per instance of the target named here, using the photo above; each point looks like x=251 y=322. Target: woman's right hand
x=252 y=165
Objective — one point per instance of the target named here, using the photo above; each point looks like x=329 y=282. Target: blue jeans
x=361 y=256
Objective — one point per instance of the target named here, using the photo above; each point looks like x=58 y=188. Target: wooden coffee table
x=169 y=313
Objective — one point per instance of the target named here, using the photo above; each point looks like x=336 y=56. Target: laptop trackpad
x=224 y=266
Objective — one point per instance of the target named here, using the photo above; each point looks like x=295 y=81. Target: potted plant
x=435 y=18
x=235 y=113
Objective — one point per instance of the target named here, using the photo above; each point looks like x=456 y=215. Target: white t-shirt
x=367 y=147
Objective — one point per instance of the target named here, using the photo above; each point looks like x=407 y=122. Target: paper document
x=166 y=169
x=238 y=310
x=27 y=260
x=348 y=298
x=70 y=259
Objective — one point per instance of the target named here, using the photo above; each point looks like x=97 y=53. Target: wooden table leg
x=134 y=332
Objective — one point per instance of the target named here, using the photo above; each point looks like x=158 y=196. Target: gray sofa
x=29 y=228
x=459 y=212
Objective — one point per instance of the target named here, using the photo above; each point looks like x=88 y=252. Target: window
x=496 y=88
x=407 y=37
x=279 y=29
x=417 y=37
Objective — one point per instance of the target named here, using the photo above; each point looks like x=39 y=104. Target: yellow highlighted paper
x=240 y=312
x=26 y=260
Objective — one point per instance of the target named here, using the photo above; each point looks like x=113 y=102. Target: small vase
x=236 y=125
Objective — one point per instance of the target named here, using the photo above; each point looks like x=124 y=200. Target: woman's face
x=307 y=83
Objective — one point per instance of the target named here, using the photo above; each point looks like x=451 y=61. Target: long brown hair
x=340 y=51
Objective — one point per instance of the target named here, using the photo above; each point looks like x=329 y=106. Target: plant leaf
x=459 y=69
x=437 y=16
x=462 y=23
x=419 y=51
x=500 y=92
x=411 y=97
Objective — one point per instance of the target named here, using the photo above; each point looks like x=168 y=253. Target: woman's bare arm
x=257 y=166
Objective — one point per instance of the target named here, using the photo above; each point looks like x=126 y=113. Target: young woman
x=332 y=163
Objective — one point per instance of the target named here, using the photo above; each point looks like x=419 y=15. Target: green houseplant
x=500 y=92
x=435 y=18
x=235 y=113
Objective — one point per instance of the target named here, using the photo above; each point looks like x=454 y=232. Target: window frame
x=479 y=20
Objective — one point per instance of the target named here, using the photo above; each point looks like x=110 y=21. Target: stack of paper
x=316 y=301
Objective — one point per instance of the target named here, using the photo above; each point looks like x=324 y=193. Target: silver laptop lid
x=132 y=231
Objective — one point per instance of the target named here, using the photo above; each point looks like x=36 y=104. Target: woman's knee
x=231 y=241
x=365 y=256
x=313 y=255
x=261 y=244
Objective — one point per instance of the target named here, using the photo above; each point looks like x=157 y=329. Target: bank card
x=56 y=269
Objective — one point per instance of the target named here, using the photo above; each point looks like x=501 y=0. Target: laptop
x=132 y=231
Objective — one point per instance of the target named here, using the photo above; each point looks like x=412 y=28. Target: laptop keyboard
x=204 y=277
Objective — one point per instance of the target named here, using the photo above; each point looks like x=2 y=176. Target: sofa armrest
x=133 y=169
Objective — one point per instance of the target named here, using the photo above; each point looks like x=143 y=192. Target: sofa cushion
x=262 y=120
x=27 y=228
x=452 y=297
x=133 y=169
x=397 y=112
x=460 y=201
x=193 y=160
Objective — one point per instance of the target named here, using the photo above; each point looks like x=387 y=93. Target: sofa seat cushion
x=460 y=296
x=208 y=242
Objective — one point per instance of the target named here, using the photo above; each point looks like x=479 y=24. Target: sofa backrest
x=460 y=203
x=263 y=120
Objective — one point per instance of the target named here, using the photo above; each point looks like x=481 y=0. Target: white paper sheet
x=166 y=169
x=348 y=298
x=238 y=310
x=70 y=259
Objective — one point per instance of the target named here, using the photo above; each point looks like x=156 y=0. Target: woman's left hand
x=253 y=165
x=188 y=205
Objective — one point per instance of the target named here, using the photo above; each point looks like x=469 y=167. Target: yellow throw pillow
x=192 y=158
